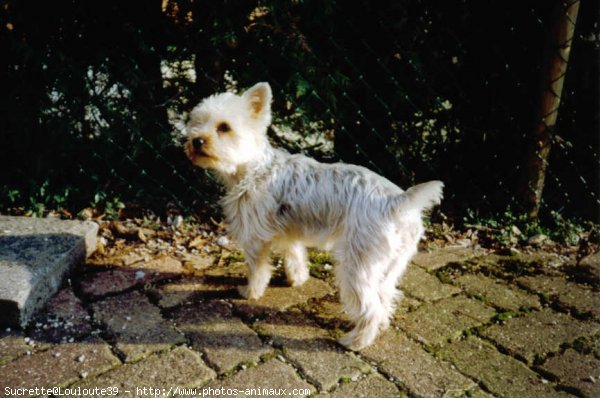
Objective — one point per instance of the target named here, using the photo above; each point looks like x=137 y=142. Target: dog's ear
x=259 y=98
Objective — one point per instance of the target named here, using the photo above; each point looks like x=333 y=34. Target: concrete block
x=35 y=255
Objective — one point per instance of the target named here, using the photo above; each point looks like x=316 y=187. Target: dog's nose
x=197 y=144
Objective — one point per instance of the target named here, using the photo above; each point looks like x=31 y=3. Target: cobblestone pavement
x=472 y=324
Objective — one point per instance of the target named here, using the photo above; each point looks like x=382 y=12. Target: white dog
x=287 y=202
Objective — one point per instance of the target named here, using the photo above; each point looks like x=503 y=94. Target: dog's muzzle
x=197 y=144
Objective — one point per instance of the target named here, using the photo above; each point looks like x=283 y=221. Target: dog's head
x=226 y=131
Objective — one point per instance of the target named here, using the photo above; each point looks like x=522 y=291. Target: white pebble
x=223 y=241
x=139 y=275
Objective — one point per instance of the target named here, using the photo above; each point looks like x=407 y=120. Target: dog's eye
x=223 y=127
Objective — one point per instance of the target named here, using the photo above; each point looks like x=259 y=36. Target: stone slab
x=434 y=324
x=192 y=288
x=511 y=266
x=224 y=339
x=159 y=375
x=374 y=385
x=478 y=393
x=120 y=278
x=35 y=255
x=536 y=334
x=576 y=370
x=273 y=375
x=498 y=294
x=498 y=373
x=59 y=366
x=421 y=285
x=280 y=298
x=62 y=319
x=592 y=260
x=310 y=349
x=591 y=265
x=329 y=313
x=136 y=325
x=573 y=296
x=12 y=345
x=431 y=261
x=415 y=369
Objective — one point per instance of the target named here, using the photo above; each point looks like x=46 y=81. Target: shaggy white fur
x=286 y=202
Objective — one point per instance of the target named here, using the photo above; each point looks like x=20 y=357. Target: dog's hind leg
x=359 y=284
x=389 y=293
x=295 y=263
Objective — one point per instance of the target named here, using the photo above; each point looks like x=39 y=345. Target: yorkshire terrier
x=276 y=200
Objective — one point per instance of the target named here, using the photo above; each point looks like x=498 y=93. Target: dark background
x=414 y=90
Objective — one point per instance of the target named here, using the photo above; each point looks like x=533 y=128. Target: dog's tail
x=423 y=196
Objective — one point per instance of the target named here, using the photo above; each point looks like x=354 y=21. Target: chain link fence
x=95 y=94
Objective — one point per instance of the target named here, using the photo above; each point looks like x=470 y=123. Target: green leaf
x=302 y=87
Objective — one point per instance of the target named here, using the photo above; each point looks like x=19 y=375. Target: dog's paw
x=298 y=279
x=385 y=324
x=351 y=342
x=358 y=338
x=248 y=293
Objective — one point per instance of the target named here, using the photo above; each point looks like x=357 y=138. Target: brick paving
x=472 y=324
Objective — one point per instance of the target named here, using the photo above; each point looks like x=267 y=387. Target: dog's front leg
x=259 y=269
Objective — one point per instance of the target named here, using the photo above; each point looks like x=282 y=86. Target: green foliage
x=108 y=206
x=36 y=200
x=568 y=231
x=587 y=345
x=345 y=380
x=505 y=316
x=320 y=263
x=234 y=257
x=510 y=227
